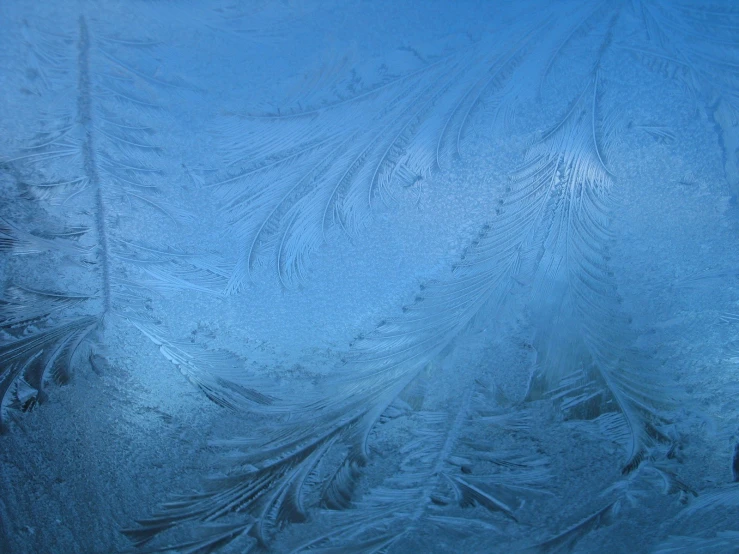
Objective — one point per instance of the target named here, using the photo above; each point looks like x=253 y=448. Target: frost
x=523 y=213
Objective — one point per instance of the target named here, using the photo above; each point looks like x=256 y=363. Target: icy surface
x=389 y=276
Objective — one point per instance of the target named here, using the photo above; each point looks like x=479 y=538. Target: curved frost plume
x=273 y=476
x=550 y=230
x=583 y=345
x=293 y=176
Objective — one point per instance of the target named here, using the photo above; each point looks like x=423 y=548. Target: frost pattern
x=410 y=440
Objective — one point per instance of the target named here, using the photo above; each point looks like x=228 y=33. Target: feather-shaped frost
x=295 y=175
x=96 y=150
x=549 y=229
